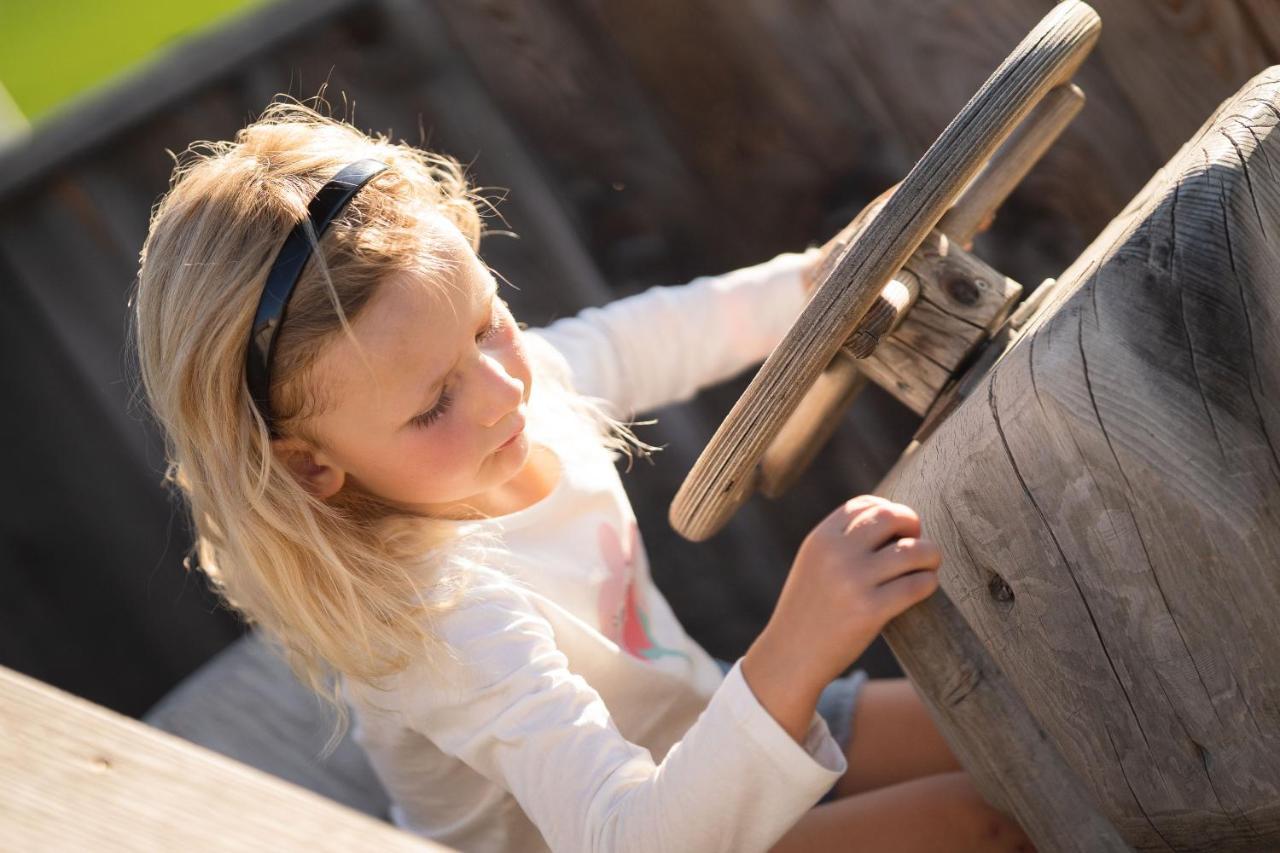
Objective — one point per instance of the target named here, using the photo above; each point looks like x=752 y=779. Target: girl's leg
x=925 y=815
x=894 y=739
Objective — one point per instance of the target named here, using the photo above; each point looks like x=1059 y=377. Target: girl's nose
x=504 y=392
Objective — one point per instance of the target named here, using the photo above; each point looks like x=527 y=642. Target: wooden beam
x=75 y=775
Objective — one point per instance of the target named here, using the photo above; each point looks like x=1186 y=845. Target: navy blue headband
x=286 y=269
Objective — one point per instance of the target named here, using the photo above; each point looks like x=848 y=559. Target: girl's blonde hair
x=350 y=585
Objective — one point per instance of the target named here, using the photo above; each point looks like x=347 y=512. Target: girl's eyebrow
x=435 y=385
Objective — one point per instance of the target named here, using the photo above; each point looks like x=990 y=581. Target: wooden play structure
x=1101 y=468
x=1098 y=457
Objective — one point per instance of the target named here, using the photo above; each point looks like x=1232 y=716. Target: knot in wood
x=963 y=289
x=1000 y=589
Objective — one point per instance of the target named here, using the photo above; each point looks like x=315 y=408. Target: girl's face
x=435 y=420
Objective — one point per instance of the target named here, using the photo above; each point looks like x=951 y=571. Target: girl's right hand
x=858 y=568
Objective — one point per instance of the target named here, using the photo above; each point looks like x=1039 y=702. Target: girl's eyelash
x=493 y=328
x=442 y=405
x=437 y=411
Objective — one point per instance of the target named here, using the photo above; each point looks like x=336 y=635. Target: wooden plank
x=466 y=122
x=557 y=75
x=88 y=535
x=1199 y=49
x=906 y=373
x=961 y=284
x=65 y=257
x=760 y=143
x=938 y=335
x=129 y=172
x=896 y=73
x=74 y=775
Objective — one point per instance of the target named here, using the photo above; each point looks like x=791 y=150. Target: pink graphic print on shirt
x=621 y=618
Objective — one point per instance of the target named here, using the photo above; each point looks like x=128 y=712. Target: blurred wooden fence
x=639 y=143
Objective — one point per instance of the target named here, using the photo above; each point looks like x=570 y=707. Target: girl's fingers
x=853 y=506
x=877 y=524
x=904 y=591
x=904 y=555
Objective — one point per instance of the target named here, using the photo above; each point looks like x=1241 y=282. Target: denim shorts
x=835 y=706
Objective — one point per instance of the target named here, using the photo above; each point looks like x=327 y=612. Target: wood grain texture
x=1108 y=501
x=76 y=776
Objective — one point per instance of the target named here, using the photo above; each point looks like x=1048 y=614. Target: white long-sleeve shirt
x=577 y=715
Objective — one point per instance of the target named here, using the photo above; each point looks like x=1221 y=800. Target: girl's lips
x=514 y=436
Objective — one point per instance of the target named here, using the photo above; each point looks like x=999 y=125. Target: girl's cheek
x=426 y=444
x=449 y=444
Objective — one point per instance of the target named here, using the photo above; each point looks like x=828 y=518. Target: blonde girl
x=415 y=498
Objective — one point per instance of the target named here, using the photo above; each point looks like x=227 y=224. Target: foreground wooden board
x=1104 y=654
x=76 y=776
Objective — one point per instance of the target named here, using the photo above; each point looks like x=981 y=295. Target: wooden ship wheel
x=1099 y=463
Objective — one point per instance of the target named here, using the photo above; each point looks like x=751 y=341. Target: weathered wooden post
x=1104 y=480
x=1108 y=497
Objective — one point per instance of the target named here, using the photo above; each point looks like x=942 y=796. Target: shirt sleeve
x=663 y=345
x=514 y=712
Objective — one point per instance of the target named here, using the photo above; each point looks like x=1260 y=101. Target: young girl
x=408 y=490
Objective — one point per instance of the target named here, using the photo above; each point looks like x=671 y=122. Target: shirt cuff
x=820 y=758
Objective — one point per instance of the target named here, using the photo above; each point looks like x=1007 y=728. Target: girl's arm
x=663 y=345
x=516 y=714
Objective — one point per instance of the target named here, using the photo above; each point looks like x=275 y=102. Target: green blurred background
x=52 y=51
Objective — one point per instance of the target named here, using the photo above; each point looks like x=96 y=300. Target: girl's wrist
x=782 y=689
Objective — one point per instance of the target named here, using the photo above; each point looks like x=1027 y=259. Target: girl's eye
x=493 y=329
x=437 y=411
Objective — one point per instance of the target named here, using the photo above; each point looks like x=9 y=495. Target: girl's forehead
x=446 y=288
x=415 y=315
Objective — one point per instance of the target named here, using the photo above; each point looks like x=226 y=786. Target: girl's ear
x=312 y=468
